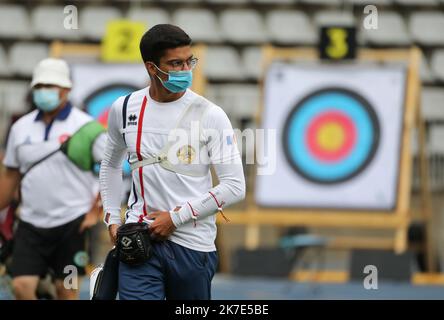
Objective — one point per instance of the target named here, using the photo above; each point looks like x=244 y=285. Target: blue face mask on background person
x=46 y=99
x=178 y=81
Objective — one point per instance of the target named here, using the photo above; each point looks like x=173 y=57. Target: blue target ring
x=98 y=104
x=359 y=127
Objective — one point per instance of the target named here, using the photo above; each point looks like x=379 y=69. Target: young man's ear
x=150 y=68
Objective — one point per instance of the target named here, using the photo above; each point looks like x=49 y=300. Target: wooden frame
x=398 y=220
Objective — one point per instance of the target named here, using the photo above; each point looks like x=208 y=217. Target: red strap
x=193 y=213
x=217 y=202
x=145 y=213
x=139 y=129
x=139 y=156
x=219 y=206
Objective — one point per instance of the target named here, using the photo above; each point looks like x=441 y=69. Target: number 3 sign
x=337 y=43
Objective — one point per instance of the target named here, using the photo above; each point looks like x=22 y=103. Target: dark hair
x=159 y=38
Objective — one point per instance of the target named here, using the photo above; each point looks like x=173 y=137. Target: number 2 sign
x=121 y=41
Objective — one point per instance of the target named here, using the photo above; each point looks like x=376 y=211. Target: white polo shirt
x=55 y=191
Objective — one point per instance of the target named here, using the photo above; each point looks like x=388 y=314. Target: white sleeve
x=11 y=160
x=98 y=148
x=111 y=167
x=226 y=160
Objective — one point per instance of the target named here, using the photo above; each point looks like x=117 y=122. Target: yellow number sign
x=121 y=41
x=338 y=47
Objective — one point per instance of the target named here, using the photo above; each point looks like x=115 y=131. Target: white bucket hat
x=52 y=71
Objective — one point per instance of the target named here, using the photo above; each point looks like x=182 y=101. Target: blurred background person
x=59 y=200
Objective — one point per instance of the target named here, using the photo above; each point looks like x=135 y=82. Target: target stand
x=358 y=112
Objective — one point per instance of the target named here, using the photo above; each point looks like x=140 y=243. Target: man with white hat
x=59 y=198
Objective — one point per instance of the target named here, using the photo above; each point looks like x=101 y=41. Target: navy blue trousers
x=173 y=272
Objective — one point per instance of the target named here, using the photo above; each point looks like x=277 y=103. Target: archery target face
x=98 y=85
x=338 y=134
x=98 y=103
x=331 y=135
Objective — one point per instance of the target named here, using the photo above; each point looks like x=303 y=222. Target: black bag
x=134 y=243
x=106 y=283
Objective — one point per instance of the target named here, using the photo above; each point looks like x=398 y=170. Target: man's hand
x=163 y=226
x=93 y=216
x=89 y=221
x=112 y=229
x=9 y=181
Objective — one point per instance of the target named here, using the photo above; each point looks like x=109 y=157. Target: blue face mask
x=46 y=99
x=178 y=81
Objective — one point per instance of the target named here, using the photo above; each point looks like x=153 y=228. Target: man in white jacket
x=172 y=186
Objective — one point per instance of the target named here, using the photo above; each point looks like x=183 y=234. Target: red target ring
x=340 y=131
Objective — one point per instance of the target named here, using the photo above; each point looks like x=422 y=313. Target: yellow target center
x=330 y=136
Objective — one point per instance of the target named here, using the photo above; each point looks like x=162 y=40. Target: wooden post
x=405 y=185
x=199 y=80
x=59 y=49
x=426 y=203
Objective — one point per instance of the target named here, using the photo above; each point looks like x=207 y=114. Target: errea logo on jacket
x=132 y=120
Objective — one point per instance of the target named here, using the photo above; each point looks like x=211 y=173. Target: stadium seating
x=437 y=64
x=228 y=1
x=391 y=30
x=274 y=1
x=201 y=24
x=322 y=2
x=417 y=2
x=24 y=56
x=151 y=16
x=426 y=28
x=14 y=15
x=4 y=62
x=243 y=26
x=235 y=23
x=432 y=103
x=222 y=63
x=180 y=1
x=93 y=21
x=48 y=23
x=290 y=27
x=13 y=94
x=242 y=101
x=251 y=60
x=366 y=2
x=436 y=139
x=326 y=18
x=425 y=72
